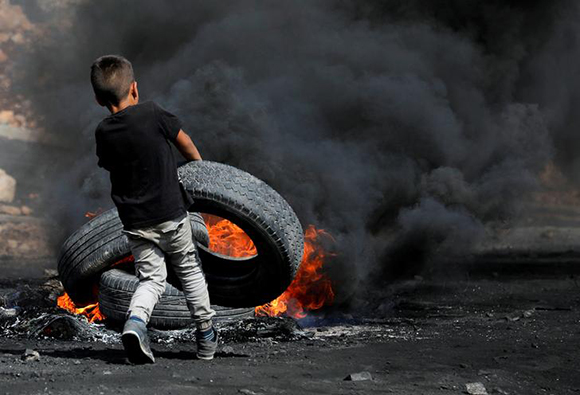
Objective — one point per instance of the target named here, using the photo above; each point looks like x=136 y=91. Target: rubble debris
x=258 y=329
x=10 y=210
x=30 y=355
x=54 y=288
x=7 y=187
x=13 y=20
x=476 y=389
x=228 y=350
x=9 y=313
x=60 y=327
x=528 y=313
x=25 y=237
x=360 y=376
x=66 y=327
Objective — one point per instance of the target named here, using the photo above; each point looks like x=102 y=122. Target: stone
x=10 y=210
x=62 y=327
x=7 y=116
x=30 y=355
x=475 y=389
x=528 y=313
x=26 y=210
x=8 y=313
x=228 y=350
x=360 y=376
x=17 y=38
x=7 y=187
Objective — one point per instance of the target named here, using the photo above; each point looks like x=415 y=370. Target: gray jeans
x=151 y=247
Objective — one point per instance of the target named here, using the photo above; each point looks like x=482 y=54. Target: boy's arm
x=184 y=144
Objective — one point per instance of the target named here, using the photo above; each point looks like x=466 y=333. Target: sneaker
x=207 y=342
x=136 y=342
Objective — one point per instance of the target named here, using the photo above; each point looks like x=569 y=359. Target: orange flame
x=93 y=214
x=90 y=311
x=310 y=289
x=227 y=238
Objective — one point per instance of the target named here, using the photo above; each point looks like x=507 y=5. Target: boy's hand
x=184 y=144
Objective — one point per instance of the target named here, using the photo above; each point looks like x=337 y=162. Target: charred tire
x=117 y=287
x=97 y=245
x=266 y=218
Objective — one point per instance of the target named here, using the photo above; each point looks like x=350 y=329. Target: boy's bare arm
x=186 y=147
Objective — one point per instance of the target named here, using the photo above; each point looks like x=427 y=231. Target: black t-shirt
x=134 y=146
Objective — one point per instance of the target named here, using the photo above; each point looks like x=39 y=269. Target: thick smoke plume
x=401 y=127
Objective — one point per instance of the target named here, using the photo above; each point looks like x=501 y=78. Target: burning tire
x=219 y=190
x=264 y=216
x=117 y=287
x=95 y=247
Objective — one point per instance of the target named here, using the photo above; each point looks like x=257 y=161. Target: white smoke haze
x=400 y=127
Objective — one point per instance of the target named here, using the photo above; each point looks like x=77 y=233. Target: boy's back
x=134 y=146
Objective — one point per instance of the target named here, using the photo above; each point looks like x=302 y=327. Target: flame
x=93 y=214
x=227 y=238
x=90 y=311
x=127 y=259
x=310 y=289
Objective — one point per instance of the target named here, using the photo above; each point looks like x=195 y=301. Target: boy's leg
x=151 y=270
x=182 y=254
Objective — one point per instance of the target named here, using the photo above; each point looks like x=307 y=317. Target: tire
x=266 y=218
x=117 y=287
x=220 y=190
x=95 y=247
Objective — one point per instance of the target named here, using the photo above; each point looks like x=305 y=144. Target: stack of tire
x=235 y=285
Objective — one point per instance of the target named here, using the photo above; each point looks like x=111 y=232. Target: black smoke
x=401 y=127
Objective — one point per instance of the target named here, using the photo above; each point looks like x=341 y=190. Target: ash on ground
x=29 y=311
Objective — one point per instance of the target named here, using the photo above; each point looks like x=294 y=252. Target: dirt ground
x=512 y=326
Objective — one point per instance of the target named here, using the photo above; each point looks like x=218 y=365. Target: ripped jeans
x=151 y=247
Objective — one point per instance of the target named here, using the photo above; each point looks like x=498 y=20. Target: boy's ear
x=134 y=92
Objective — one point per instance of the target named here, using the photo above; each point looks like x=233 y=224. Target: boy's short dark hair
x=111 y=77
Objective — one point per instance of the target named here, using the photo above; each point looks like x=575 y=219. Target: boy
x=133 y=144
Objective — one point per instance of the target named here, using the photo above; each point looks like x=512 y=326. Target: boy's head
x=112 y=79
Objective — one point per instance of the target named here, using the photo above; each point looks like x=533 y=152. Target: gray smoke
x=400 y=127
